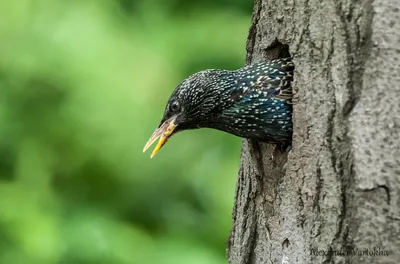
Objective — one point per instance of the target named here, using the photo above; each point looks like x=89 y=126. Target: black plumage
x=251 y=102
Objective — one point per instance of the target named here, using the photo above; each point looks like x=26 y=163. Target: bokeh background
x=83 y=84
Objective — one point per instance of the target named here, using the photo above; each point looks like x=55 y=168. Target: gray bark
x=337 y=189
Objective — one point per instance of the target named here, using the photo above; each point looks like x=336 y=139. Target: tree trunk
x=334 y=197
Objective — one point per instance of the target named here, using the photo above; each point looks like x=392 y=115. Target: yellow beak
x=164 y=131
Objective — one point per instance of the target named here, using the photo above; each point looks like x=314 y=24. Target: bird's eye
x=174 y=106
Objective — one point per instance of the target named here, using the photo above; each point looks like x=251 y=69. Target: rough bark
x=336 y=192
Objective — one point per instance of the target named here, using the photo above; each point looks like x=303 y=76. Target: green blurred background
x=83 y=84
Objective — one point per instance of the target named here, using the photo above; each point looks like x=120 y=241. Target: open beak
x=164 y=131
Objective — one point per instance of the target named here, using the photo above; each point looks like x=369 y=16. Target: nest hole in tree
x=276 y=50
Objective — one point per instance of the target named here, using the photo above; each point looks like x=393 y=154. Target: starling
x=252 y=102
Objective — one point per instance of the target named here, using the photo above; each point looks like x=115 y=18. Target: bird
x=253 y=102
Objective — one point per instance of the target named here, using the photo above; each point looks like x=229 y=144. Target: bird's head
x=193 y=104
